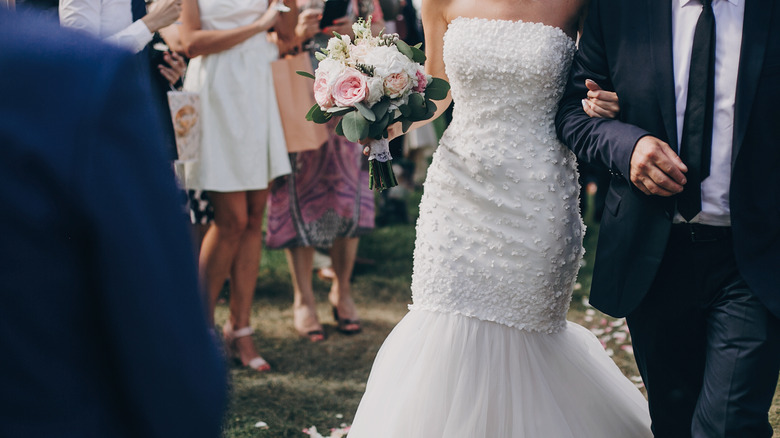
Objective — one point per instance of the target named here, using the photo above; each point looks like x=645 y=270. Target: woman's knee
x=232 y=225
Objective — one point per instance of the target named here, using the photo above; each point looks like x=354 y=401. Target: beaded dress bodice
x=499 y=236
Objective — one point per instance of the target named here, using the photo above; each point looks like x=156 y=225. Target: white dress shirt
x=728 y=40
x=109 y=20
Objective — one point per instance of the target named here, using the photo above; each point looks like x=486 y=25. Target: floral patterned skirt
x=325 y=197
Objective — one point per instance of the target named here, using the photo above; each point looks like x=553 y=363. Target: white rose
x=357 y=53
x=375 y=90
x=387 y=60
x=331 y=69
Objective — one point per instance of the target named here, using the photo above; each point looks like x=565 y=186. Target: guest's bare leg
x=300 y=260
x=243 y=273
x=221 y=242
x=343 y=254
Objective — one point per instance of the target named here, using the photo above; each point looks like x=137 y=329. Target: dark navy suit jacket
x=102 y=329
x=626 y=46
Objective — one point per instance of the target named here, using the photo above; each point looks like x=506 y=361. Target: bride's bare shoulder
x=436 y=11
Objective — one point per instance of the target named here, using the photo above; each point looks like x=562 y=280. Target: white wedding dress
x=486 y=350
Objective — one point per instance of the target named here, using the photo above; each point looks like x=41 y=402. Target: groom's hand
x=656 y=169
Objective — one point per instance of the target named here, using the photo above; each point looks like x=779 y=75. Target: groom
x=689 y=247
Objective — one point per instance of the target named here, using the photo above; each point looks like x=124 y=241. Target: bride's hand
x=393 y=131
x=600 y=103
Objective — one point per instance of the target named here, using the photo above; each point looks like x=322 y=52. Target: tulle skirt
x=448 y=375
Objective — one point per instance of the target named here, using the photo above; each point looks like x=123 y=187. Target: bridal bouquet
x=371 y=83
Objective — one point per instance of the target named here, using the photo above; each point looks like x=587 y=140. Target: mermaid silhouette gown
x=486 y=350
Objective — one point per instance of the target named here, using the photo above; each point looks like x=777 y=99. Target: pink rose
x=322 y=92
x=349 y=88
x=422 y=82
x=396 y=84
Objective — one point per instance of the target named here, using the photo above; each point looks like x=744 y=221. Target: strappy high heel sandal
x=346 y=326
x=314 y=335
x=257 y=363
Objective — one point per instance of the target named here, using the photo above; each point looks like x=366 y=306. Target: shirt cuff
x=134 y=37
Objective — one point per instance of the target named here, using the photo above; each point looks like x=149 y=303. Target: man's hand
x=175 y=68
x=308 y=24
x=656 y=169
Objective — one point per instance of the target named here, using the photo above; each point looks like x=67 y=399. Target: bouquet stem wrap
x=380 y=165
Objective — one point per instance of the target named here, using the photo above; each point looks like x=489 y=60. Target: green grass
x=321 y=384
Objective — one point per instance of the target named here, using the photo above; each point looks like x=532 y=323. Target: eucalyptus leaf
x=417 y=105
x=355 y=126
x=430 y=109
x=437 y=89
x=378 y=128
x=339 y=128
x=418 y=55
x=311 y=111
x=319 y=116
x=380 y=108
x=305 y=74
x=405 y=110
x=365 y=111
x=405 y=124
x=405 y=49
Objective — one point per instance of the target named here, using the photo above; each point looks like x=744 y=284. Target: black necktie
x=696 y=144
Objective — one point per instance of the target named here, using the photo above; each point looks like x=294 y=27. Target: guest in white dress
x=243 y=146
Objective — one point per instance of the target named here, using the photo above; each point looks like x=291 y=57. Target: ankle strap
x=240 y=333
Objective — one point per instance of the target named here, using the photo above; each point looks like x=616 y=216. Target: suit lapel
x=755 y=32
x=660 y=28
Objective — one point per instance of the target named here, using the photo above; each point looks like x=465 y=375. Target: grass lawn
x=321 y=384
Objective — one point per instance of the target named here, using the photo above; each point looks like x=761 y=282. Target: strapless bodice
x=499 y=236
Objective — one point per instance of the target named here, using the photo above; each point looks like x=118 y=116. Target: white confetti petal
x=261 y=425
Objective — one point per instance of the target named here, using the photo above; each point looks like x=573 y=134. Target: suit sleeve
x=167 y=366
x=601 y=142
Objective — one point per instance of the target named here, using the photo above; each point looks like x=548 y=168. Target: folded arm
x=626 y=150
x=606 y=143
x=197 y=41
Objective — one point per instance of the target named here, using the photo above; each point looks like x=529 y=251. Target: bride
x=485 y=350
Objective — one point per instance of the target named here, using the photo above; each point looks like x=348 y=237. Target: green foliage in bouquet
x=370 y=93
x=363 y=122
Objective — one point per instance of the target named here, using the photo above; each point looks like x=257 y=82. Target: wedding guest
x=102 y=330
x=325 y=202
x=242 y=147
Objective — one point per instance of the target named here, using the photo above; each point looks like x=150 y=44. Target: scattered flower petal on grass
x=261 y=425
x=334 y=433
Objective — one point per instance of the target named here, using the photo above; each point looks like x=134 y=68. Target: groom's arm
x=605 y=143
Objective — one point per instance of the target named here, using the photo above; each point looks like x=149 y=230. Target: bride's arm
x=435 y=22
x=197 y=41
